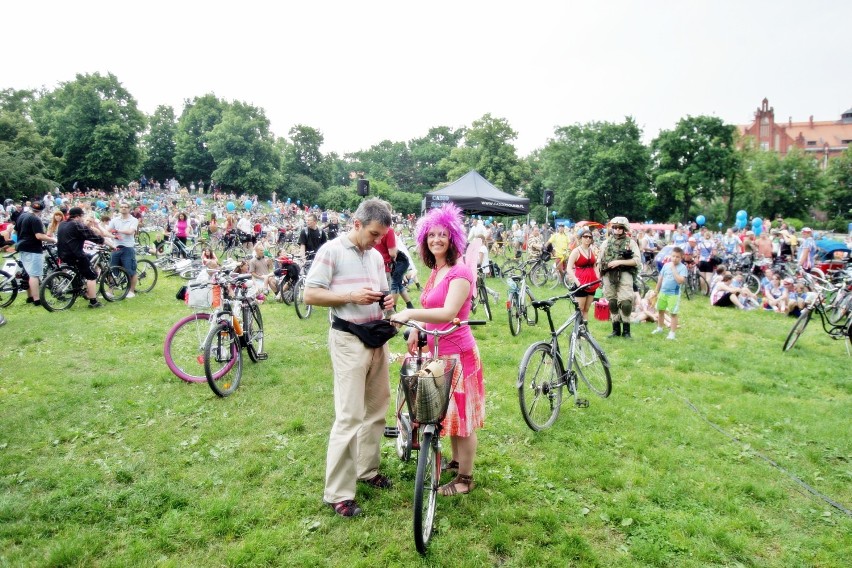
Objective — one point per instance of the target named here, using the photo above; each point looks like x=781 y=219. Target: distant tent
x=475 y=195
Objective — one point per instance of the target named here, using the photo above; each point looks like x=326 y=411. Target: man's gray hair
x=373 y=210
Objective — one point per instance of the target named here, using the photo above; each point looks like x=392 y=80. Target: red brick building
x=824 y=138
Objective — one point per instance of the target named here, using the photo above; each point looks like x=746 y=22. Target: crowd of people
x=362 y=265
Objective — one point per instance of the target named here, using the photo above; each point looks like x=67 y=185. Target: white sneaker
x=656 y=331
x=130 y=295
x=671 y=335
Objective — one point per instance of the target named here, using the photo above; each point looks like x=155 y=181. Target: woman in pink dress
x=440 y=237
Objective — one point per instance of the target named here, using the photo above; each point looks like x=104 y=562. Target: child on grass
x=672 y=276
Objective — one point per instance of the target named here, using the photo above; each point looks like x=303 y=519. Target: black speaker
x=548 y=197
x=363 y=187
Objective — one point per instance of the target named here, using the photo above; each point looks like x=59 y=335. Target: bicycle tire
x=403 y=426
x=191 y=273
x=253 y=331
x=513 y=309
x=143 y=238
x=8 y=289
x=483 y=299
x=223 y=359
x=426 y=490
x=146 y=272
x=750 y=281
x=591 y=365
x=798 y=328
x=539 y=275
x=529 y=309
x=303 y=310
x=540 y=386
x=57 y=291
x=114 y=284
x=183 y=348
x=838 y=311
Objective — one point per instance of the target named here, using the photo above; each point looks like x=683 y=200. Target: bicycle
x=425 y=386
x=696 y=284
x=303 y=310
x=60 y=289
x=480 y=296
x=840 y=330
x=543 y=371
x=519 y=301
x=14 y=277
x=237 y=324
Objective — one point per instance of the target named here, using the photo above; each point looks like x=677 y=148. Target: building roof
x=832 y=133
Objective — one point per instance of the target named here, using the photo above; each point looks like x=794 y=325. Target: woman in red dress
x=581 y=269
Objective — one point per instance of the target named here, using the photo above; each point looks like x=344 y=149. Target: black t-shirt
x=26 y=228
x=313 y=239
x=71 y=235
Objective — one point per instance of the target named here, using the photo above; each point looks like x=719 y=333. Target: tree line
x=90 y=132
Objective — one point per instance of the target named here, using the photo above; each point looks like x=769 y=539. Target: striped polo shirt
x=341 y=267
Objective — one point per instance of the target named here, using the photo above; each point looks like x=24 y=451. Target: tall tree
x=192 y=158
x=27 y=165
x=838 y=193
x=788 y=186
x=427 y=154
x=303 y=156
x=159 y=144
x=244 y=151
x=94 y=124
x=488 y=149
x=598 y=170
x=695 y=160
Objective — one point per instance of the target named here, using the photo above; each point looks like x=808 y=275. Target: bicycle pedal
x=262 y=356
x=391 y=432
x=581 y=403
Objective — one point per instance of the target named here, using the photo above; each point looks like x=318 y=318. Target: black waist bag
x=372 y=334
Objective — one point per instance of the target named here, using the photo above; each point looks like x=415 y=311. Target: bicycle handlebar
x=456 y=323
x=570 y=295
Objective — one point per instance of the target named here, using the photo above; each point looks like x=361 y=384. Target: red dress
x=584 y=270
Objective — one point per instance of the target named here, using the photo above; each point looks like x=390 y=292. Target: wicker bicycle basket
x=427 y=384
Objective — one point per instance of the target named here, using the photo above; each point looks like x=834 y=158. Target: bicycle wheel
x=8 y=289
x=647 y=282
x=57 y=291
x=115 y=284
x=403 y=426
x=798 y=328
x=591 y=365
x=483 y=299
x=143 y=238
x=539 y=275
x=253 y=331
x=183 y=348
x=426 y=490
x=540 y=386
x=303 y=310
x=751 y=282
x=514 y=310
x=191 y=273
x=530 y=313
x=146 y=274
x=223 y=360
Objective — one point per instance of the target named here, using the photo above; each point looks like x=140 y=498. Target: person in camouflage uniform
x=619 y=267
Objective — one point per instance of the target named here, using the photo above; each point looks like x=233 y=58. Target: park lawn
x=107 y=459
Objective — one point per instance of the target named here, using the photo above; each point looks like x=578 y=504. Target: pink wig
x=448 y=216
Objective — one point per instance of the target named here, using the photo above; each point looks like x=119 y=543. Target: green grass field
x=107 y=459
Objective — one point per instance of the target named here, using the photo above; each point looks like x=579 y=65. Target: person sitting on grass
x=775 y=295
x=798 y=299
x=748 y=298
x=724 y=294
x=672 y=277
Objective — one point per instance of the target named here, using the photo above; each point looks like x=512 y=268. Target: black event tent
x=475 y=195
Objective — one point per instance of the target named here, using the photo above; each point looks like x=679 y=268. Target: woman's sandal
x=450 y=488
x=451 y=466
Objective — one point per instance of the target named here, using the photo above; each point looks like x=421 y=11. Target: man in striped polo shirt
x=348 y=276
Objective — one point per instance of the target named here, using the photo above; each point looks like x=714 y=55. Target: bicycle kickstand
x=581 y=403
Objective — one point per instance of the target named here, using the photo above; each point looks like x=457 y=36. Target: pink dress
x=466 y=410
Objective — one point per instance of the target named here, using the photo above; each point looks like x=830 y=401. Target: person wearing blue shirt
x=672 y=277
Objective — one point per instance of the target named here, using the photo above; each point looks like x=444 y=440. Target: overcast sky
x=363 y=72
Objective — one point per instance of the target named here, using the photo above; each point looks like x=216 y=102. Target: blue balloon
x=198 y=201
x=700 y=220
x=298 y=202
x=741 y=223
x=720 y=224
x=58 y=201
x=741 y=214
x=554 y=213
x=230 y=206
x=155 y=206
x=269 y=202
x=756 y=221
x=288 y=200
x=248 y=204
